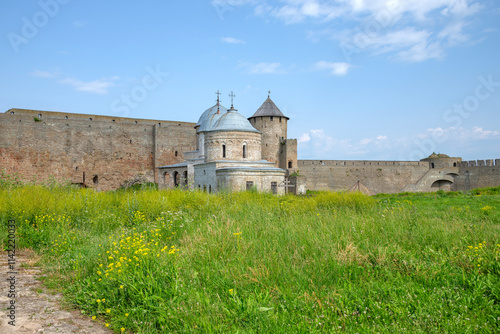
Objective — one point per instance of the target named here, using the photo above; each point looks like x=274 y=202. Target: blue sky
x=359 y=79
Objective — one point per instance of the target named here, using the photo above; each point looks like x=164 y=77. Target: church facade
x=234 y=153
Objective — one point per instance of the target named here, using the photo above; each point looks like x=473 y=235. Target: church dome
x=210 y=117
x=233 y=121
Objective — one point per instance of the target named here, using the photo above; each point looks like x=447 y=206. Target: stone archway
x=166 y=179
x=442 y=185
x=176 y=176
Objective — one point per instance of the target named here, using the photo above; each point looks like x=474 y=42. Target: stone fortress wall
x=477 y=174
x=376 y=176
x=99 y=151
x=397 y=176
x=104 y=152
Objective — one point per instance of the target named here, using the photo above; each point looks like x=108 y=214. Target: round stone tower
x=269 y=120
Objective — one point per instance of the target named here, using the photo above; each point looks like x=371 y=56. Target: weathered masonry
x=96 y=151
x=223 y=150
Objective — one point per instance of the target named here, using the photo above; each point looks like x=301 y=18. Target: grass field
x=148 y=261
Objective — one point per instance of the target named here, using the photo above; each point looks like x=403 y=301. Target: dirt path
x=37 y=310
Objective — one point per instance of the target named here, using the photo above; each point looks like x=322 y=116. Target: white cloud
x=304 y=138
x=99 y=86
x=263 y=68
x=318 y=143
x=79 y=24
x=406 y=30
x=45 y=74
x=338 y=69
x=232 y=40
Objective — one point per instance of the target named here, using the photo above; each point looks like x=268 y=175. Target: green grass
x=153 y=261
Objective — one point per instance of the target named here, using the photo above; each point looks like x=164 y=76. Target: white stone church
x=234 y=153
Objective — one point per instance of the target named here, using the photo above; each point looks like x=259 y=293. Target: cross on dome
x=232 y=96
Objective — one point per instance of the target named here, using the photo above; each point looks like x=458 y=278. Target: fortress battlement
x=55 y=116
x=360 y=163
x=481 y=163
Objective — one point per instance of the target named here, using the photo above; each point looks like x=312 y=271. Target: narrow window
x=39 y=115
x=223 y=150
x=244 y=151
x=454 y=164
x=65 y=117
x=280 y=119
x=159 y=124
x=289 y=164
x=176 y=153
x=249 y=185
x=271 y=118
x=130 y=141
x=204 y=188
x=209 y=188
x=90 y=119
x=95 y=179
x=432 y=165
x=274 y=187
x=135 y=122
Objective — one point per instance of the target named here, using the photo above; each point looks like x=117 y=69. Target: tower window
x=432 y=165
x=289 y=164
x=223 y=150
x=244 y=151
x=176 y=153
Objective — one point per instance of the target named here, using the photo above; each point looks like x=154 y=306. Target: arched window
x=244 y=151
x=290 y=164
x=176 y=179
x=432 y=165
x=95 y=179
x=185 y=177
x=223 y=150
x=454 y=164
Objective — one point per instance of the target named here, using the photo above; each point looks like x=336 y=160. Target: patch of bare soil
x=36 y=309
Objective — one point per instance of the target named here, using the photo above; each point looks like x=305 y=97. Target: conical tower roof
x=268 y=108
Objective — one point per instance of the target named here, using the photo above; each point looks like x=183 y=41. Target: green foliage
x=153 y=261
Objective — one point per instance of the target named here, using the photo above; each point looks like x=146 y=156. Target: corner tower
x=271 y=122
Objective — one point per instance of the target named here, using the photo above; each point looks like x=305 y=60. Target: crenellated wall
x=477 y=174
x=100 y=151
